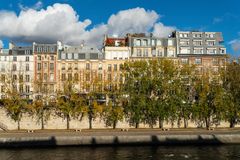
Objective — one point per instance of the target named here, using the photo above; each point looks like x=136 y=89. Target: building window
x=109 y=67
x=39 y=58
x=45 y=76
x=115 y=67
x=51 y=66
x=139 y=52
x=138 y=42
x=75 y=66
x=184 y=50
x=145 y=54
x=69 y=66
x=100 y=66
x=211 y=51
x=184 y=42
x=21 y=88
x=209 y=35
x=197 y=43
x=222 y=50
x=27 y=67
x=45 y=65
x=27 y=77
x=198 y=51
x=87 y=66
x=39 y=66
x=210 y=43
x=159 y=53
x=153 y=42
x=198 y=61
x=100 y=76
x=52 y=58
x=184 y=60
x=14 y=67
x=109 y=77
x=21 y=78
x=14 y=58
x=27 y=87
x=197 y=35
x=63 y=66
x=27 y=58
x=51 y=77
x=14 y=77
x=87 y=77
x=69 y=76
x=75 y=76
x=39 y=76
x=144 y=42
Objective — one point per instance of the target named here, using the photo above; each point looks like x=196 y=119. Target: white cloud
x=1 y=44
x=61 y=22
x=235 y=44
x=38 y=5
x=132 y=20
x=162 y=31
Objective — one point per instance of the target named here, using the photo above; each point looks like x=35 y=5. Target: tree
x=70 y=103
x=113 y=110
x=231 y=84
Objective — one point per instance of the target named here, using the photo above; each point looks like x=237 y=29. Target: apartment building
x=205 y=50
x=45 y=70
x=115 y=48
x=143 y=46
x=81 y=65
x=16 y=65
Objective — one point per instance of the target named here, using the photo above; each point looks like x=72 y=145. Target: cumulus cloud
x=132 y=20
x=36 y=6
x=235 y=44
x=61 y=22
x=160 y=30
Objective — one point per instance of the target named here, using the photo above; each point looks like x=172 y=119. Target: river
x=224 y=152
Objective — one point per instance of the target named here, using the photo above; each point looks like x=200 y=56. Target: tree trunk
x=160 y=123
x=185 y=122
x=90 y=121
x=42 y=123
x=207 y=122
x=18 y=121
x=137 y=125
x=68 y=119
x=232 y=122
x=42 y=120
x=114 y=124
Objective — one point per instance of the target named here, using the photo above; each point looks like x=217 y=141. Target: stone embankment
x=118 y=137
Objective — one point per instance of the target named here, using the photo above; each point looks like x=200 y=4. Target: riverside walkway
x=97 y=137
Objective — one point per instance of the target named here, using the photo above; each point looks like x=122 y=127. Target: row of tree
x=153 y=92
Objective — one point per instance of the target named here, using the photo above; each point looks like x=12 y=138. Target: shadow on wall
x=155 y=140
x=29 y=143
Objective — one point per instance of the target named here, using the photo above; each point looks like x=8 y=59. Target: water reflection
x=229 y=152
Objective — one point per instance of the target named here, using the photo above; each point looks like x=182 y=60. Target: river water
x=226 y=152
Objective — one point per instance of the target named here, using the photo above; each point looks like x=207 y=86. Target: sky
x=86 y=21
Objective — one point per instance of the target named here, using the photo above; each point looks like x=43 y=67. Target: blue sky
x=205 y=15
